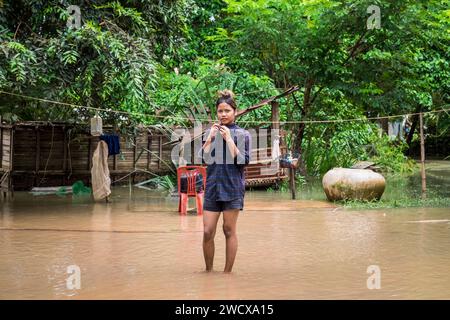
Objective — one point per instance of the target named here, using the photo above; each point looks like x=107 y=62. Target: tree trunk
x=411 y=132
x=301 y=129
x=384 y=125
x=413 y=128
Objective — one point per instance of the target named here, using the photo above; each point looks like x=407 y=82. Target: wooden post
x=292 y=182
x=11 y=164
x=89 y=154
x=115 y=160
x=181 y=161
x=64 y=164
x=160 y=152
x=135 y=140
x=6 y=183
x=1 y=143
x=422 y=158
x=275 y=115
x=149 y=147
x=384 y=123
x=38 y=154
x=89 y=162
x=276 y=126
x=130 y=188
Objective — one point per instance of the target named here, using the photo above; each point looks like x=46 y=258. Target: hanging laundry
x=113 y=142
x=276 y=152
x=101 y=182
x=395 y=129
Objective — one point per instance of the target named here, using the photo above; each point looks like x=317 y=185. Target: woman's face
x=225 y=113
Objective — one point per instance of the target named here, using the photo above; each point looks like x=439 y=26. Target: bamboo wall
x=56 y=155
x=42 y=155
x=5 y=151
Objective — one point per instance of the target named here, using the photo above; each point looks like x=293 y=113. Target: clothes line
x=240 y=121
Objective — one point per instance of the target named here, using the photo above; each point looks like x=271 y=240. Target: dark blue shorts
x=220 y=206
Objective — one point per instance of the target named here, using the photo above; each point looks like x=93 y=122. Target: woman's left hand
x=225 y=132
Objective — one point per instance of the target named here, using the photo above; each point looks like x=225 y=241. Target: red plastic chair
x=191 y=173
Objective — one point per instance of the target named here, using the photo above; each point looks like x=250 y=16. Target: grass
x=300 y=181
x=431 y=202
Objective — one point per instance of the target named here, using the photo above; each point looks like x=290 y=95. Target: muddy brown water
x=139 y=247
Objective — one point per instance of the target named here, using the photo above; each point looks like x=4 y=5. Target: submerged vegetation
x=435 y=202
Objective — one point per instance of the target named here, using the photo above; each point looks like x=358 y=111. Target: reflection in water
x=138 y=247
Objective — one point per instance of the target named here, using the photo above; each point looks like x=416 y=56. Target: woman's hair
x=226 y=96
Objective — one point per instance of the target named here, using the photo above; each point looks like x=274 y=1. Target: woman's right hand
x=214 y=129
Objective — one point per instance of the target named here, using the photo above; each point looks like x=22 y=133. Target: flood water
x=139 y=247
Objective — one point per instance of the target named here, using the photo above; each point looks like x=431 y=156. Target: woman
x=227 y=148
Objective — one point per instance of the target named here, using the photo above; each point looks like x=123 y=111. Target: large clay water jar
x=361 y=184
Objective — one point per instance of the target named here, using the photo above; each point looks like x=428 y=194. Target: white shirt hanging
x=276 y=153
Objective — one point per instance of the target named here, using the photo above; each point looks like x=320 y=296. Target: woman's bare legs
x=229 y=229
x=210 y=219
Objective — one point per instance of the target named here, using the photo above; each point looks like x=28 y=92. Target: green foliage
x=325 y=47
x=193 y=97
x=110 y=62
x=205 y=16
x=163 y=61
x=345 y=144
x=389 y=155
x=342 y=144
